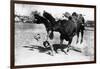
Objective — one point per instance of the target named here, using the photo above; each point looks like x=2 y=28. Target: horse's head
x=49 y=17
x=37 y=19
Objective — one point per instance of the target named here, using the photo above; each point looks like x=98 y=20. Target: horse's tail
x=51 y=35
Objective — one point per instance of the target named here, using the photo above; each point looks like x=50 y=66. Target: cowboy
x=75 y=17
x=81 y=20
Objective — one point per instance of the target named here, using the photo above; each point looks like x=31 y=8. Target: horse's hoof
x=66 y=54
x=76 y=42
x=67 y=50
x=49 y=53
x=81 y=42
x=57 y=52
x=31 y=49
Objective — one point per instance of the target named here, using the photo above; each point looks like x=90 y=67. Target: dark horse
x=67 y=28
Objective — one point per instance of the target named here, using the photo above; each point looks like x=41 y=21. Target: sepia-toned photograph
x=50 y=34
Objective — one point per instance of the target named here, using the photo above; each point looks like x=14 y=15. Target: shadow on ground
x=48 y=50
x=43 y=49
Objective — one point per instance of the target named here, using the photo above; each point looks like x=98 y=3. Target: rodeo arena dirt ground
x=25 y=42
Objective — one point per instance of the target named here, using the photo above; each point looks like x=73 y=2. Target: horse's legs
x=69 y=44
x=77 y=37
x=82 y=33
x=51 y=34
x=47 y=35
x=64 y=51
x=52 y=50
x=61 y=40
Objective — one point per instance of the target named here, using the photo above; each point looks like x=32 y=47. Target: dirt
x=24 y=43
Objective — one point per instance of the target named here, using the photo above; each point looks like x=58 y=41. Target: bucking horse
x=67 y=28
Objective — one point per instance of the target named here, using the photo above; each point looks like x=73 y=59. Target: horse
x=67 y=28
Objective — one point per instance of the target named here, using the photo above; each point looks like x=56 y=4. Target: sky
x=56 y=11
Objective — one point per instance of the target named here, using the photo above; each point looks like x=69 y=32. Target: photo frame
x=28 y=48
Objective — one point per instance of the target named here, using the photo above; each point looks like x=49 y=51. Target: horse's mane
x=49 y=17
x=40 y=18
